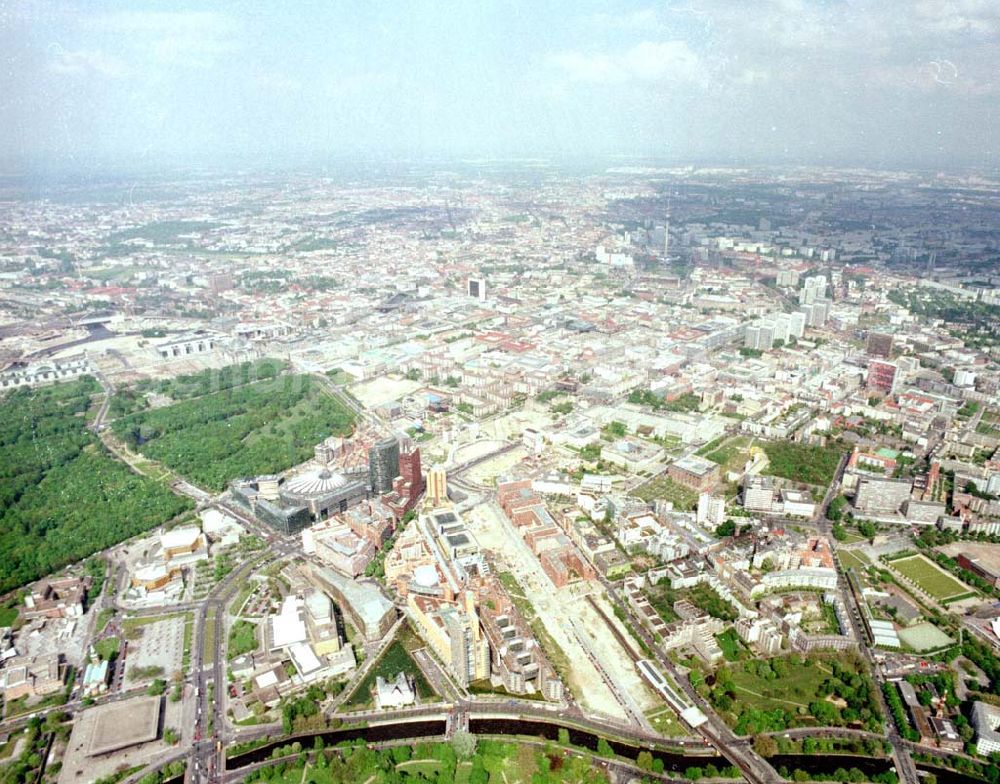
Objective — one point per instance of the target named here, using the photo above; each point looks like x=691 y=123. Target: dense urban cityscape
x=499 y=392
x=690 y=471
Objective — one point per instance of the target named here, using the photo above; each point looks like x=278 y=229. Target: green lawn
x=242 y=638
x=794 y=691
x=732 y=648
x=393 y=661
x=930 y=577
x=664 y=721
x=731 y=455
x=852 y=559
x=107 y=648
x=428 y=768
x=209 y=632
x=103 y=617
x=8 y=615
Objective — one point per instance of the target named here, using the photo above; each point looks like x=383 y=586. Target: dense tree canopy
x=814 y=465
x=257 y=428
x=62 y=497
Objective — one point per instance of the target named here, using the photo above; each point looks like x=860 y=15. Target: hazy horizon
x=782 y=82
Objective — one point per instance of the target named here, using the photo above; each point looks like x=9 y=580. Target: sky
x=893 y=83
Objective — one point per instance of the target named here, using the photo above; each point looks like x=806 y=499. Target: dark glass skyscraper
x=383 y=465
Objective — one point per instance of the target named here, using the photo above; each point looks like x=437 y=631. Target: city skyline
x=826 y=83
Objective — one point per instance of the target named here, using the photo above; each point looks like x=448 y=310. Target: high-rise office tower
x=383 y=465
x=477 y=288
x=437 y=485
x=409 y=470
x=882 y=377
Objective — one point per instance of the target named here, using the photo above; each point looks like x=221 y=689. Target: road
x=754 y=767
x=905 y=768
x=98 y=424
x=206 y=758
x=207 y=754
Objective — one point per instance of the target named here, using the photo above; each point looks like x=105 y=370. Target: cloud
x=673 y=60
x=648 y=61
x=195 y=39
x=84 y=63
x=642 y=19
x=274 y=82
x=972 y=17
x=938 y=75
x=587 y=68
x=751 y=76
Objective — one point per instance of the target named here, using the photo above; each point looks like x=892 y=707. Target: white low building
x=820 y=577
x=986 y=720
x=394 y=693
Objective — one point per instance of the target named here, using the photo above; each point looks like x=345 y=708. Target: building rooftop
x=118 y=725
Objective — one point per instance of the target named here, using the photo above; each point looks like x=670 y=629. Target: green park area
x=852 y=559
x=931 y=578
x=107 y=648
x=731 y=454
x=245 y=429
x=465 y=761
x=395 y=660
x=166 y=232
x=62 y=496
x=242 y=638
x=702 y=596
x=759 y=695
x=8 y=615
x=663 y=487
x=811 y=465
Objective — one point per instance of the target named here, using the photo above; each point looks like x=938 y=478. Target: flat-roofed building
x=34 y=676
x=63 y=598
x=119 y=725
x=369 y=609
x=695 y=472
x=340 y=548
x=454 y=633
x=288 y=626
x=881 y=496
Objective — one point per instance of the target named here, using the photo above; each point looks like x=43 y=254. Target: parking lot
x=160 y=646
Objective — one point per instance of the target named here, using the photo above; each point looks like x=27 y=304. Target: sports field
x=934 y=580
